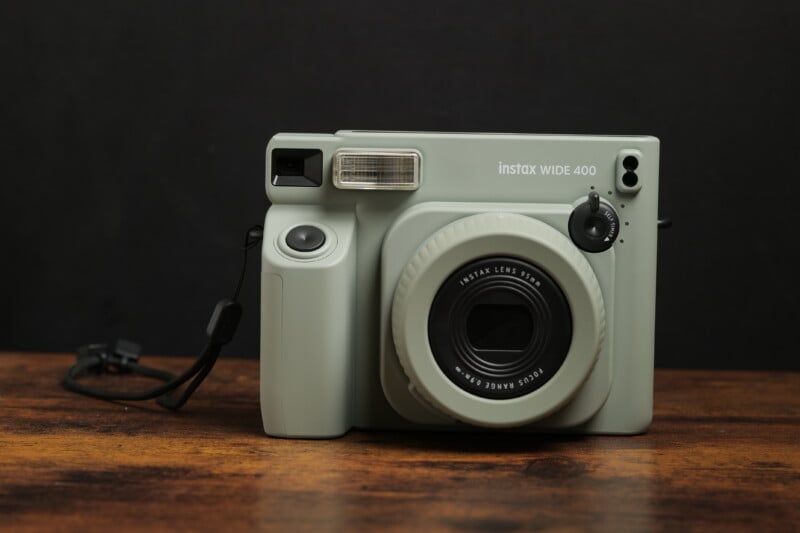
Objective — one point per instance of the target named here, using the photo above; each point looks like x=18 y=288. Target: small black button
x=305 y=238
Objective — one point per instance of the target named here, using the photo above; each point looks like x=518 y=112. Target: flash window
x=372 y=170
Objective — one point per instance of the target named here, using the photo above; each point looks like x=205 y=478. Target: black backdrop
x=133 y=137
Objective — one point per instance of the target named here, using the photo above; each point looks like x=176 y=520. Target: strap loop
x=98 y=359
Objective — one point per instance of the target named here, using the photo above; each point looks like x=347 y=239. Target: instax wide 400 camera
x=458 y=281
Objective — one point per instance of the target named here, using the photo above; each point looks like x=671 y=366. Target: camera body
x=458 y=281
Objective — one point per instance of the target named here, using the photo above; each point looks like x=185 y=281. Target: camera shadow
x=470 y=441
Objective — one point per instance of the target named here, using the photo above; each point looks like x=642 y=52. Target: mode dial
x=594 y=225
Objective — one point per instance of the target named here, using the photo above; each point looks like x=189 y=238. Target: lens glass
x=499 y=327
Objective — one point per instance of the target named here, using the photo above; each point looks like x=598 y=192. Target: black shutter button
x=305 y=238
x=594 y=225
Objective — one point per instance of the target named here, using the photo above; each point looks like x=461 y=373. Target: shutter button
x=305 y=238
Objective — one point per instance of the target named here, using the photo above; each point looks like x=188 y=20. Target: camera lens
x=499 y=327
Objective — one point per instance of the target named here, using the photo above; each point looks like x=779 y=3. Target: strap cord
x=124 y=357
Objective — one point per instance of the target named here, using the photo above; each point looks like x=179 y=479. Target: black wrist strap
x=124 y=357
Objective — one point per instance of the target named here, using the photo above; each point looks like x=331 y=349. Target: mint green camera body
x=355 y=317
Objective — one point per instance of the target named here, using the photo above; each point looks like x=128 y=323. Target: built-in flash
x=371 y=170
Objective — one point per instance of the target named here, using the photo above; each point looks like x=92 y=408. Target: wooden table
x=723 y=452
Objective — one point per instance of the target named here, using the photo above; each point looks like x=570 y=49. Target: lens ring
x=499 y=373
x=478 y=364
x=461 y=343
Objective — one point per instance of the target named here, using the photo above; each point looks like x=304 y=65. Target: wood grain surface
x=723 y=453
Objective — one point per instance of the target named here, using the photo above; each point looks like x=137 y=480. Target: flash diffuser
x=373 y=170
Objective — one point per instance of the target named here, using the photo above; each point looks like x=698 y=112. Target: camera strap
x=123 y=357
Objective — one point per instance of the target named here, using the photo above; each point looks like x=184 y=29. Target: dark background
x=133 y=136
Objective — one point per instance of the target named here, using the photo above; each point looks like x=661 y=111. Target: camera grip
x=307 y=310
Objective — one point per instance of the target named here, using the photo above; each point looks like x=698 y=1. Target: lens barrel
x=499 y=327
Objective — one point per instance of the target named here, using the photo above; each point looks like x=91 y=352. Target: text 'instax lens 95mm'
x=499 y=327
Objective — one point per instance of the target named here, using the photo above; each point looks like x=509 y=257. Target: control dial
x=594 y=225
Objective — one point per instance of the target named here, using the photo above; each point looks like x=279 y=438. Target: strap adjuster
x=100 y=360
